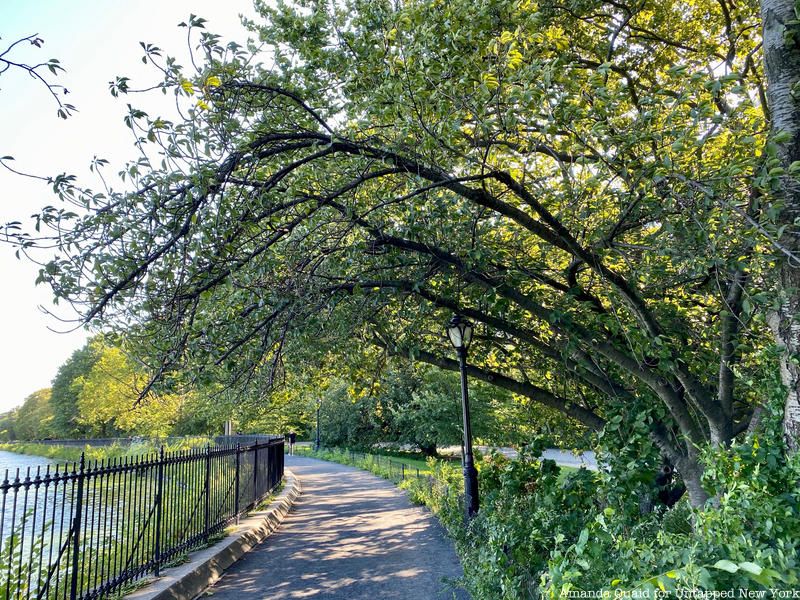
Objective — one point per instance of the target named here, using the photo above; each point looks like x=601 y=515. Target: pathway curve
x=350 y=536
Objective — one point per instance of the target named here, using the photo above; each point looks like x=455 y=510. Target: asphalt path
x=350 y=536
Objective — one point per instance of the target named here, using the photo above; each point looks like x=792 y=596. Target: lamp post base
x=471 y=502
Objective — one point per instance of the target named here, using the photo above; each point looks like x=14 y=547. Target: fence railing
x=88 y=529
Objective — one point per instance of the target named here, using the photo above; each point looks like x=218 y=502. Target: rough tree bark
x=782 y=68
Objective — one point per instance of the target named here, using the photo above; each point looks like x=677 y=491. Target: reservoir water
x=12 y=462
x=13 y=506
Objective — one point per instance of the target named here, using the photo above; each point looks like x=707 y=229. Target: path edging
x=206 y=566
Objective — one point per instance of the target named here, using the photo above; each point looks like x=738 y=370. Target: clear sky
x=95 y=40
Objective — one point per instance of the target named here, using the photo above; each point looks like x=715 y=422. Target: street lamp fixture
x=459 y=330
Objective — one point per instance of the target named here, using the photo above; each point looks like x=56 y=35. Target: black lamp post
x=460 y=333
x=316 y=442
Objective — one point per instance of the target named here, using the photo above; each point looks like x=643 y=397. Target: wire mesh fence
x=88 y=529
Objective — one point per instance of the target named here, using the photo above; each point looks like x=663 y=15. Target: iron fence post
x=76 y=529
x=236 y=489
x=255 y=473
x=159 y=509
x=272 y=463
x=208 y=493
x=281 y=460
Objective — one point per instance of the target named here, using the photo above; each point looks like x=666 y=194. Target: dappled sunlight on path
x=350 y=536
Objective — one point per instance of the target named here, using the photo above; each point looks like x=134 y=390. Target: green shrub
x=543 y=533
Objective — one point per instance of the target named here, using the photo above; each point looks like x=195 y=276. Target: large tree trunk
x=787 y=331
x=429 y=450
x=782 y=68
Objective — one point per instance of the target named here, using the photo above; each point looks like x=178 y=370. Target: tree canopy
x=589 y=182
x=34 y=419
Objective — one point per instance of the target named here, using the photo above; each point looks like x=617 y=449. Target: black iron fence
x=88 y=529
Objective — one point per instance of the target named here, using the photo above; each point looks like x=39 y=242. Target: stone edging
x=206 y=566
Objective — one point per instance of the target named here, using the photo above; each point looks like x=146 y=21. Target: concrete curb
x=207 y=566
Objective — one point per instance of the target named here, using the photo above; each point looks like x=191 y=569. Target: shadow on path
x=350 y=536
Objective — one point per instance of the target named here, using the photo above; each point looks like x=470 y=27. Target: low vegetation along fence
x=396 y=470
x=220 y=440
x=385 y=466
x=89 y=529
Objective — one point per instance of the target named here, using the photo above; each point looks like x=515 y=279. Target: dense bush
x=544 y=532
x=420 y=407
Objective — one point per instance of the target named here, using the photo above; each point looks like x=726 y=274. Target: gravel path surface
x=350 y=536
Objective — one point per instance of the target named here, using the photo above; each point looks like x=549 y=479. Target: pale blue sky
x=95 y=41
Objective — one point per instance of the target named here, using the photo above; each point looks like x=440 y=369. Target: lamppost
x=316 y=442
x=460 y=333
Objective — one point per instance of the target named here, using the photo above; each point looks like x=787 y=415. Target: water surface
x=16 y=504
x=12 y=462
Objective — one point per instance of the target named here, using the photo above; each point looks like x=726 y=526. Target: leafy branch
x=37 y=72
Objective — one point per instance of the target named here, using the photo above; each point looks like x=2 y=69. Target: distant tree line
x=99 y=391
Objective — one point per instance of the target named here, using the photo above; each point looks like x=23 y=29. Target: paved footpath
x=350 y=536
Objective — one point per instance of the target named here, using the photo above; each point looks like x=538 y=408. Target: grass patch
x=388 y=467
x=73 y=453
x=264 y=504
x=379 y=462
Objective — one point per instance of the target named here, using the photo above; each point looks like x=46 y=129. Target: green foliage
x=382 y=465
x=17 y=574
x=109 y=397
x=64 y=396
x=419 y=406
x=529 y=510
x=347 y=420
x=442 y=493
x=93 y=452
x=8 y=61
x=424 y=407
x=591 y=183
x=543 y=534
x=34 y=419
x=591 y=189
x=7 y=431
x=96 y=393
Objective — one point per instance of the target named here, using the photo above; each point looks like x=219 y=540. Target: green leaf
x=782 y=137
x=726 y=565
x=751 y=568
x=582 y=539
